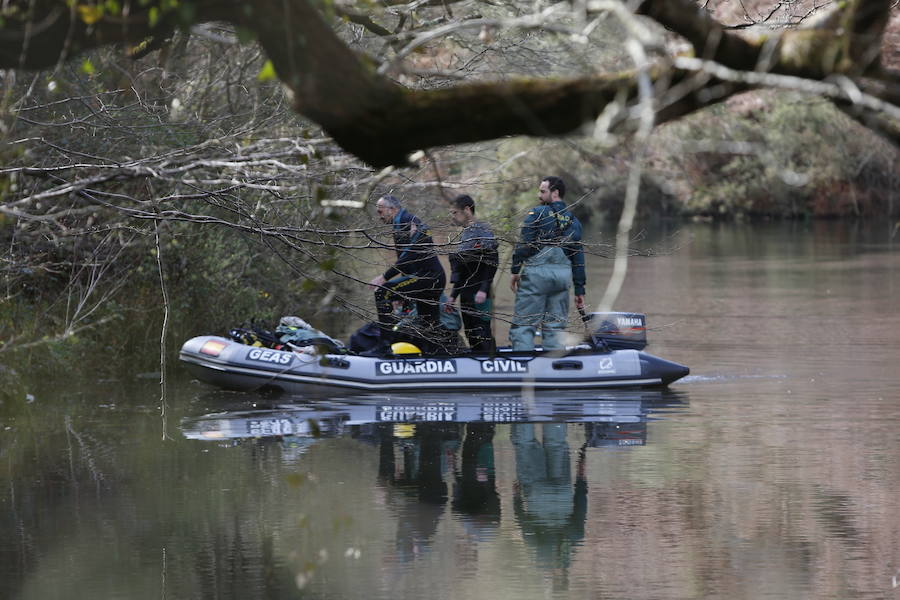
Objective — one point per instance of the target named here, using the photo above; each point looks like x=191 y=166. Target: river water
x=772 y=471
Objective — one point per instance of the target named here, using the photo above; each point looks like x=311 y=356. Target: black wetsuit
x=417 y=274
x=473 y=268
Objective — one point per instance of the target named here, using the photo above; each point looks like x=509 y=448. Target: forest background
x=166 y=167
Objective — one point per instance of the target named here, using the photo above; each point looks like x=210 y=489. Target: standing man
x=472 y=271
x=546 y=262
x=417 y=274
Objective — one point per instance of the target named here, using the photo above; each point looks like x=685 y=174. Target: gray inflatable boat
x=613 y=359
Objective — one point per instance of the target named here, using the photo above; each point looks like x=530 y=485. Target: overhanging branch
x=382 y=123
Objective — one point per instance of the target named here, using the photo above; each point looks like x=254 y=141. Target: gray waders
x=542 y=300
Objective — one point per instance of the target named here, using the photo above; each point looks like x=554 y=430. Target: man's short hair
x=555 y=183
x=391 y=201
x=463 y=201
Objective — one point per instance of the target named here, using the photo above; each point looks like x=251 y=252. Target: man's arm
x=576 y=257
x=455 y=276
x=487 y=269
x=575 y=253
x=394 y=269
x=408 y=242
x=528 y=237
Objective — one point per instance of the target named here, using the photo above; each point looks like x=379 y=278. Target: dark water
x=773 y=471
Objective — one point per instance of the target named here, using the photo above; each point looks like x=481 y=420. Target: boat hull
x=232 y=365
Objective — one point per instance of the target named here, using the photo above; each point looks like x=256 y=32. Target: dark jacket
x=474 y=265
x=415 y=248
x=552 y=225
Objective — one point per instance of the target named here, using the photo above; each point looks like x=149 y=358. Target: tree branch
x=382 y=123
x=710 y=40
x=363 y=20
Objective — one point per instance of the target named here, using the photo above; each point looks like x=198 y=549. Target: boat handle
x=335 y=363
x=567 y=365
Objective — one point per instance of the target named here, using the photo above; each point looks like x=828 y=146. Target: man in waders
x=416 y=275
x=473 y=267
x=547 y=261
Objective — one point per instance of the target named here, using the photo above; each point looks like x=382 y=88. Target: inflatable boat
x=612 y=358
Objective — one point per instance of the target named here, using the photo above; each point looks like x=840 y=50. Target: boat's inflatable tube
x=232 y=365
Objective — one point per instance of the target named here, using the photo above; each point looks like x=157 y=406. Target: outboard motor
x=618 y=330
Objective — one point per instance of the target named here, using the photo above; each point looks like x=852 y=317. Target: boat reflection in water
x=610 y=419
x=440 y=450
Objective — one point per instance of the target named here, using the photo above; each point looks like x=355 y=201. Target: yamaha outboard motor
x=618 y=330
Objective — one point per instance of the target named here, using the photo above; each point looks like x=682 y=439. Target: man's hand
x=449 y=304
x=514 y=282
x=579 y=301
x=480 y=297
x=377 y=282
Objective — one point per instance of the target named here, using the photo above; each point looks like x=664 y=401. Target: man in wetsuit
x=417 y=273
x=547 y=261
x=472 y=271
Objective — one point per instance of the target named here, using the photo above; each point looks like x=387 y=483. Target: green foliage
x=187 y=13
x=245 y=36
x=208 y=109
x=267 y=73
x=215 y=279
x=90 y=13
x=772 y=154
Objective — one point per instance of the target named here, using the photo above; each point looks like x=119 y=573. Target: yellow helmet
x=404 y=348
x=404 y=430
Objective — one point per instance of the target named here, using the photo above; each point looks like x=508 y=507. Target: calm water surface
x=773 y=471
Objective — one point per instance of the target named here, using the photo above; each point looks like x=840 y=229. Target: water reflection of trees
x=94 y=505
